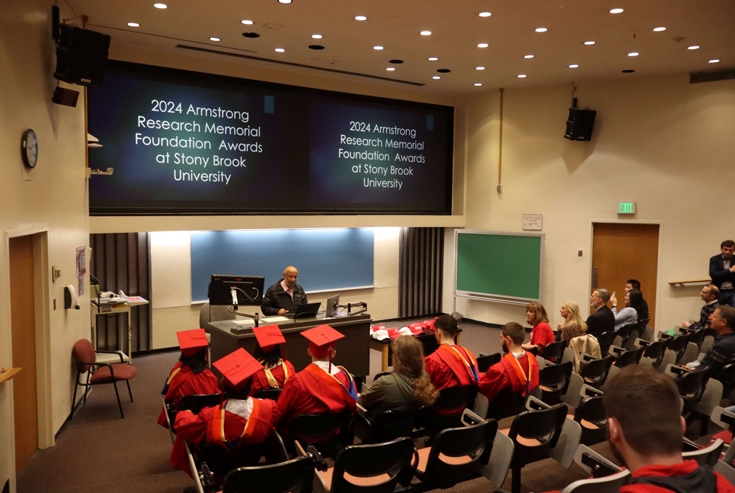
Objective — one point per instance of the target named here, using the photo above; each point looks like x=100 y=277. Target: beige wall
x=659 y=141
x=52 y=198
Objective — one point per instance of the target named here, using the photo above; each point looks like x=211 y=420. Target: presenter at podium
x=285 y=295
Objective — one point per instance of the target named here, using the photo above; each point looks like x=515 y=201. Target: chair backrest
x=706 y=456
x=553 y=351
x=554 y=382
x=393 y=458
x=271 y=394
x=485 y=362
x=389 y=425
x=471 y=443
x=595 y=371
x=543 y=426
x=455 y=399
x=678 y=344
x=629 y=358
x=727 y=376
x=591 y=416
x=322 y=430
x=691 y=385
x=624 y=331
x=83 y=353
x=605 y=340
x=195 y=403
x=655 y=351
x=295 y=475
x=607 y=484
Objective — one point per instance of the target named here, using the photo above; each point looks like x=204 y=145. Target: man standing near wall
x=722 y=272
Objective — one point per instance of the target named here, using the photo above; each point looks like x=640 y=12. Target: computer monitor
x=332 y=303
x=236 y=290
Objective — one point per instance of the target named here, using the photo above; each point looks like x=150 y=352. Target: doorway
x=622 y=251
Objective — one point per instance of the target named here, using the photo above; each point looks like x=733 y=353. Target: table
x=353 y=352
x=428 y=340
x=100 y=306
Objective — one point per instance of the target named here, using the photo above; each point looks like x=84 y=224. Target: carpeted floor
x=97 y=451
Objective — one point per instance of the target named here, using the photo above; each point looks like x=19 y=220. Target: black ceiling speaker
x=81 y=56
x=580 y=124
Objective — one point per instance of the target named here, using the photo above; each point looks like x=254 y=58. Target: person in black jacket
x=722 y=272
x=602 y=319
x=285 y=295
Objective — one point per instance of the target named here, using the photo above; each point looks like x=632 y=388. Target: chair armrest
x=593 y=463
x=319 y=463
x=470 y=418
x=588 y=357
x=642 y=342
x=534 y=404
x=675 y=370
x=361 y=409
x=617 y=351
x=120 y=354
x=589 y=391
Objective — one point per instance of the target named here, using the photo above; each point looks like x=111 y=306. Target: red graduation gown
x=260 y=379
x=207 y=428
x=313 y=390
x=507 y=375
x=446 y=369
x=186 y=382
x=681 y=470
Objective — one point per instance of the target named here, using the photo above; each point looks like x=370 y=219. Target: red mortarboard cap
x=237 y=368
x=321 y=339
x=268 y=336
x=191 y=341
x=394 y=334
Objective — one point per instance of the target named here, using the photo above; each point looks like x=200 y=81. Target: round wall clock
x=29 y=148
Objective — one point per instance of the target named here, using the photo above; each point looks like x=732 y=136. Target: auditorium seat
x=554 y=382
x=326 y=432
x=446 y=411
x=595 y=371
x=606 y=476
x=705 y=456
x=591 y=416
x=384 y=426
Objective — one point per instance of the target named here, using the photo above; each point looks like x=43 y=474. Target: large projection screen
x=184 y=142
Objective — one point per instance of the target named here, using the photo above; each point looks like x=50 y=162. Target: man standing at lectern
x=285 y=295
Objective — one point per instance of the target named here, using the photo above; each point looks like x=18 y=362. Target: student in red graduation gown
x=191 y=374
x=276 y=370
x=517 y=372
x=321 y=387
x=239 y=420
x=450 y=365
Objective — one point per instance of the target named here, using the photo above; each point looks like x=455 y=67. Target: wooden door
x=23 y=330
x=623 y=251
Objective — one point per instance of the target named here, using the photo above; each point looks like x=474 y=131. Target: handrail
x=7 y=373
x=684 y=283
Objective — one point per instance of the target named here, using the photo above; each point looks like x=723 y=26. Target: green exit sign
x=626 y=208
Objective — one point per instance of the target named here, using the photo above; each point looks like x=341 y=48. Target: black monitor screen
x=184 y=142
x=248 y=290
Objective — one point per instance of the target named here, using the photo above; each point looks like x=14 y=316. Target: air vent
x=711 y=76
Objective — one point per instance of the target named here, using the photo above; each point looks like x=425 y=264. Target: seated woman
x=191 y=375
x=572 y=326
x=542 y=333
x=407 y=388
x=629 y=314
x=276 y=370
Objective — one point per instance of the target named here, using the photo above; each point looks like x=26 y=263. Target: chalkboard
x=499 y=266
x=327 y=259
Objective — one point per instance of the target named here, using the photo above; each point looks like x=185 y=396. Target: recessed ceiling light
x=160 y=5
x=280 y=50
x=521 y=76
x=484 y=14
x=360 y=18
x=433 y=59
x=316 y=36
x=716 y=60
x=247 y=22
x=436 y=77
x=377 y=48
x=284 y=1
x=479 y=68
x=589 y=43
x=616 y=11
x=391 y=69
x=477 y=84
x=633 y=53
x=528 y=56
x=574 y=65
x=482 y=45
x=214 y=39
x=693 y=47
x=541 y=29
x=659 y=29
x=133 y=24
x=425 y=33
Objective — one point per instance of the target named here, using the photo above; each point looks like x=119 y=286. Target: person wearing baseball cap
x=191 y=374
x=321 y=387
x=239 y=420
x=276 y=370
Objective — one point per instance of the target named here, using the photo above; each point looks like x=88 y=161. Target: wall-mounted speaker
x=81 y=56
x=580 y=124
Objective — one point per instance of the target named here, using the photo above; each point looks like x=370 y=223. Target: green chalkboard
x=505 y=266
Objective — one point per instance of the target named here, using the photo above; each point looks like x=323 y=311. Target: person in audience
x=601 y=320
x=722 y=272
x=722 y=351
x=276 y=370
x=191 y=374
x=709 y=295
x=321 y=387
x=645 y=431
x=572 y=326
x=285 y=295
x=542 y=334
x=629 y=314
x=643 y=309
x=450 y=365
x=517 y=371
x=407 y=388
x=237 y=421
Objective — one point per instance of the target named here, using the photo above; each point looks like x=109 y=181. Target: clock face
x=29 y=148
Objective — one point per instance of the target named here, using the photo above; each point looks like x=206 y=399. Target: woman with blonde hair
x=407 y=388
x=572 y=325
x=542 y=334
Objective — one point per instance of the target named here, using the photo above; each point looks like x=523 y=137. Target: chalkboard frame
x=496 y=297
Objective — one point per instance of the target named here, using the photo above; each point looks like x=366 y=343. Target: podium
x=113 y=306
